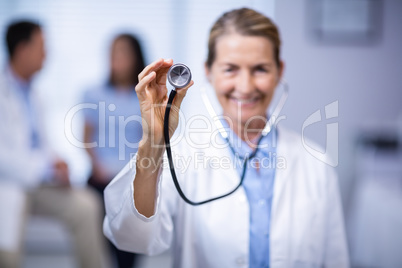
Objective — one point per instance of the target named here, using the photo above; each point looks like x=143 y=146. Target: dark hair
x=247 y=22
x=19 y=32
x=138 y=58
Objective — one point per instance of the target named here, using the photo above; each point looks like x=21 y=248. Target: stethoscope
x=179 y=76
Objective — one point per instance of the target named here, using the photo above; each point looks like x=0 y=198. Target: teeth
x=243 y=101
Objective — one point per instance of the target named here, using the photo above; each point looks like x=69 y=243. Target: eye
x=230 y=69
x=262 y=69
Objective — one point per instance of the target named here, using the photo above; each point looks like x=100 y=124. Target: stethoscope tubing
x=171 y=164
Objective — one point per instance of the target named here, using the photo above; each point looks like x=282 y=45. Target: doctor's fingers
x=147 y=77
x=140 y=88
x=154 y=66
x=181 y=93
x=148 y=90
x=161 y=75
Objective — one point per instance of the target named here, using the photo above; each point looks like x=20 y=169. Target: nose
x=245 y=82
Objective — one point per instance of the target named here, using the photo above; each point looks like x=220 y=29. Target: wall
x=364 y=78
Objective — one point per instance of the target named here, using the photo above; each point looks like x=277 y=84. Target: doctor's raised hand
x=152 y=95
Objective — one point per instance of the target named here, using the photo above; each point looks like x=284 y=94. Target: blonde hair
x=247 y=22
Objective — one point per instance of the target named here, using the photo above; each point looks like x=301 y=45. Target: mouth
x=244 y=102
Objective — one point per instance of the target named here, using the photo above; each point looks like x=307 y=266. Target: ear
x=281 y=69
x=20 y=49
x=207 y=72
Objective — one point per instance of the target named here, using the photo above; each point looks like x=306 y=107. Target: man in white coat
x=31 y=178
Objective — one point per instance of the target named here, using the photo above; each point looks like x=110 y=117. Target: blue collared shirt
x=258 y=184
x=117 y=125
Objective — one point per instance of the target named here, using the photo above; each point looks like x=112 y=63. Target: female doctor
x=283 y=215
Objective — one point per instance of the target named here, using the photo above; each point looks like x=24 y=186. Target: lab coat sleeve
x=126 y=227
x=336 y=253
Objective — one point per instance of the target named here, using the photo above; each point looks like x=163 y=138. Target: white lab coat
x=19 y=164
x=21 y=168
x=307 y=227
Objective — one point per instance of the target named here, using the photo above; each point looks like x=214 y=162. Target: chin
x=243 y=119
x=246 y=113
x=38 y=68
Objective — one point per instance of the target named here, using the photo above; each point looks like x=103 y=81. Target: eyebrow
x=268 y=64
x=264 y=64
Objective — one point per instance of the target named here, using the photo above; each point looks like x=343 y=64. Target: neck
x=123 y=84
x=20 y=70
x=123 y=87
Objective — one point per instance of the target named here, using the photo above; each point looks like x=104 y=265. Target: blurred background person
x=31 y=178
x=115 y=125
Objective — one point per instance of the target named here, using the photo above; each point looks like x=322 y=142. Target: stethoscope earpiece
x=179 y=75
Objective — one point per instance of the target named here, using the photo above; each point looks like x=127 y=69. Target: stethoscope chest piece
x=179 y=75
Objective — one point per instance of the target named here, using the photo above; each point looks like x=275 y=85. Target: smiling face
x=244 y=75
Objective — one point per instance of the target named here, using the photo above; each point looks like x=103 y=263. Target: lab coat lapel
x=281 y=212
x=283 y=169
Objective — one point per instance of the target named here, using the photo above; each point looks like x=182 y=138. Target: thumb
x=181 y=93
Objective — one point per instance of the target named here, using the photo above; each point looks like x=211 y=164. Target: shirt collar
x=266 y=146
x=17 y=81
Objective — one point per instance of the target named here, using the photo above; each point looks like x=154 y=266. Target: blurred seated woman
x=115 y=125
